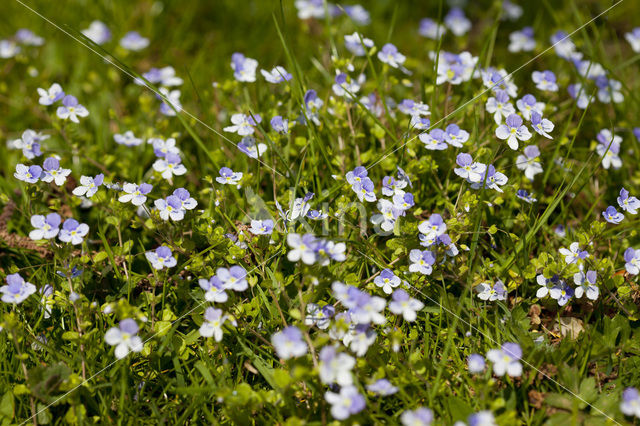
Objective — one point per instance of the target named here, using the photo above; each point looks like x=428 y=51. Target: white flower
x=633 y=38
x=71 y=109
x=212 y=325
x=277 y=75
x=97 y=32
x=243 y=124
x=88 y=186
x=403 y=304
x=49 y=97
x=124 y=338
x=586 y=283
x=302 y=248
x=127 y=138
x=172 y=105
x=519 y=41
x=573 y=254
x=335 y=367
x=545 y=284
x=492 y=292
x=506 y=360
x=387 y=216
x=169 y=166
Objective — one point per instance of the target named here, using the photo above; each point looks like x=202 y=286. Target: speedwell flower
x=88 y=185
x=389 y=55
x=161 y=258
x=387 y=280
x=29 y=174
x=542 y=126
x=261 y=227
x=170 y=208
x=45 y=227
x=134 y=41
x=457 y=22
x=212 y=324
x=492 y=292
x=289 y=343
x=357 y=44
x=545 y=80
x=522 y=41
x=633 y=38
x=17 y=289
x=422 y=261
x=233 y=278
x=499 y=106
x=491 y=179
x=529 y=162
x=612 y=215
x=127 y=139
x=573 y=254
x=169 y=166
x=431 y=29
x=513 y=131
x=405 y=305
x=586 y=284
x=475 y=363
x=98 y=32
x=628 y=203
x=345 y=403
x=228 y=176
x=124 y=338
x=50 y=96
x=52 y=172
x=244 y=69
x=506 y=360
x=421 y=416
x=277 y=75
x=243 y=124
x=214 y=290
x=455 y=136
x=527 y=104
x=73 y=231
x=469 y=170
x=137 y=194
x=632 y=259
x=335 y=367
x=71 y=109
x=561 y=292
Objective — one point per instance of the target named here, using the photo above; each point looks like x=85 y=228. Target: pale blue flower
x=228 y=176
x=45 y=227
x=17 y=289
x=244 y=69
x=50 y=96
x=345 y=403
x=289 y=343
x=612 y=215
x=628 y=203
x=29 y=174
x=136 y=194
x=124 y=338
x=73 y=231
x=134 y=41
x=475 y=363
x=506 y=360
x=161 y=258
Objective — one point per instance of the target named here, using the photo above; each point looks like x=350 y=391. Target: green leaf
x=7 y=405
x=282 y=378
x=70 y=335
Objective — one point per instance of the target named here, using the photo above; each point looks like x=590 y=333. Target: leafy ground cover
x=302 y=212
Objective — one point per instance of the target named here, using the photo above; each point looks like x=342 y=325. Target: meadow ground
x=300 y=212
